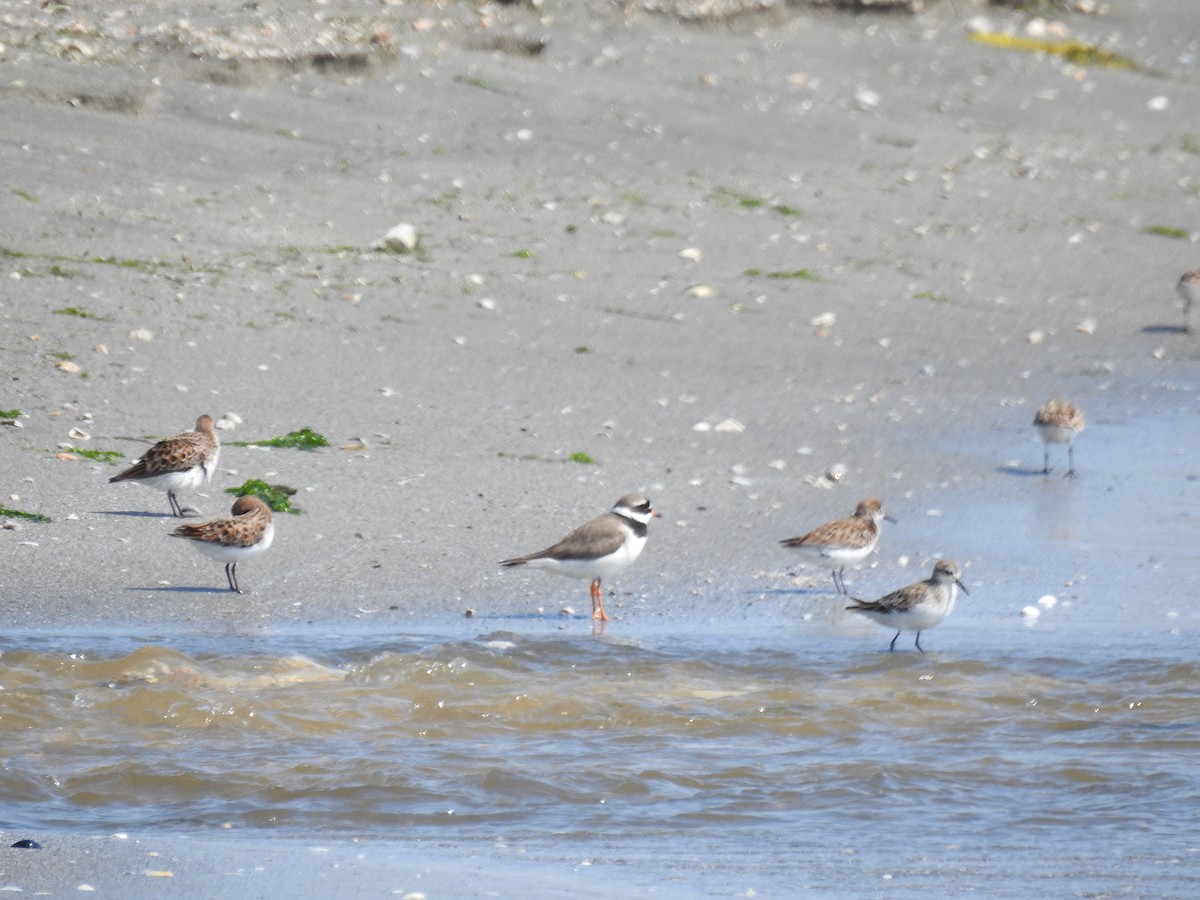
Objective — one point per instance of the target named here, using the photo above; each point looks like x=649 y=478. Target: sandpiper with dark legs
x=845 y=542
x=246 y=533
x=919 y=606
x=1058 y=421
x=606 y=545
x=182 y=462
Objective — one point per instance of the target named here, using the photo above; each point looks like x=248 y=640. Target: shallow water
x=777 y=762
x=710 y=754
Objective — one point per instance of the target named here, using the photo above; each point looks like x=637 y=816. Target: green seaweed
x=476 y=81
x=7 y=513
x=146 y=266
x=74 y=311
x=10 y=413
x=1170 y=231
x=108 y=456
x=577 y=457
x=275 y=496
x=139 y=265
x=25 y=195
x=802 y=274
x=304 y=439
x=727 y=197
x=1076 y=52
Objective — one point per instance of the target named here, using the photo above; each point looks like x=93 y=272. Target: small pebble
x=1030 y=612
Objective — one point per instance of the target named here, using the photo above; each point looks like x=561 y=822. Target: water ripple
x=565 y=734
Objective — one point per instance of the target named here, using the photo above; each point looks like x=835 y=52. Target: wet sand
x=716 y=260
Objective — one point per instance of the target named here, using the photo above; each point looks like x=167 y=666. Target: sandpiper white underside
x=228 y=553
x=931 y=611
x=843 y=556
x=1057 y=434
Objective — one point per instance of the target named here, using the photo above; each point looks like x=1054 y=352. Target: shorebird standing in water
x=1058 y=421
x=919 y=606
x=606 y=545
x=845 y=542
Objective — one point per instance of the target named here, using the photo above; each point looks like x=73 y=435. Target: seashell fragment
x=866 y=99
x=402 y=238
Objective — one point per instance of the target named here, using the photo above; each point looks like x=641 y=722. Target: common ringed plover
x=606 y=545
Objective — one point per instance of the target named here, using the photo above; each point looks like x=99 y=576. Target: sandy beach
x=711 y=261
